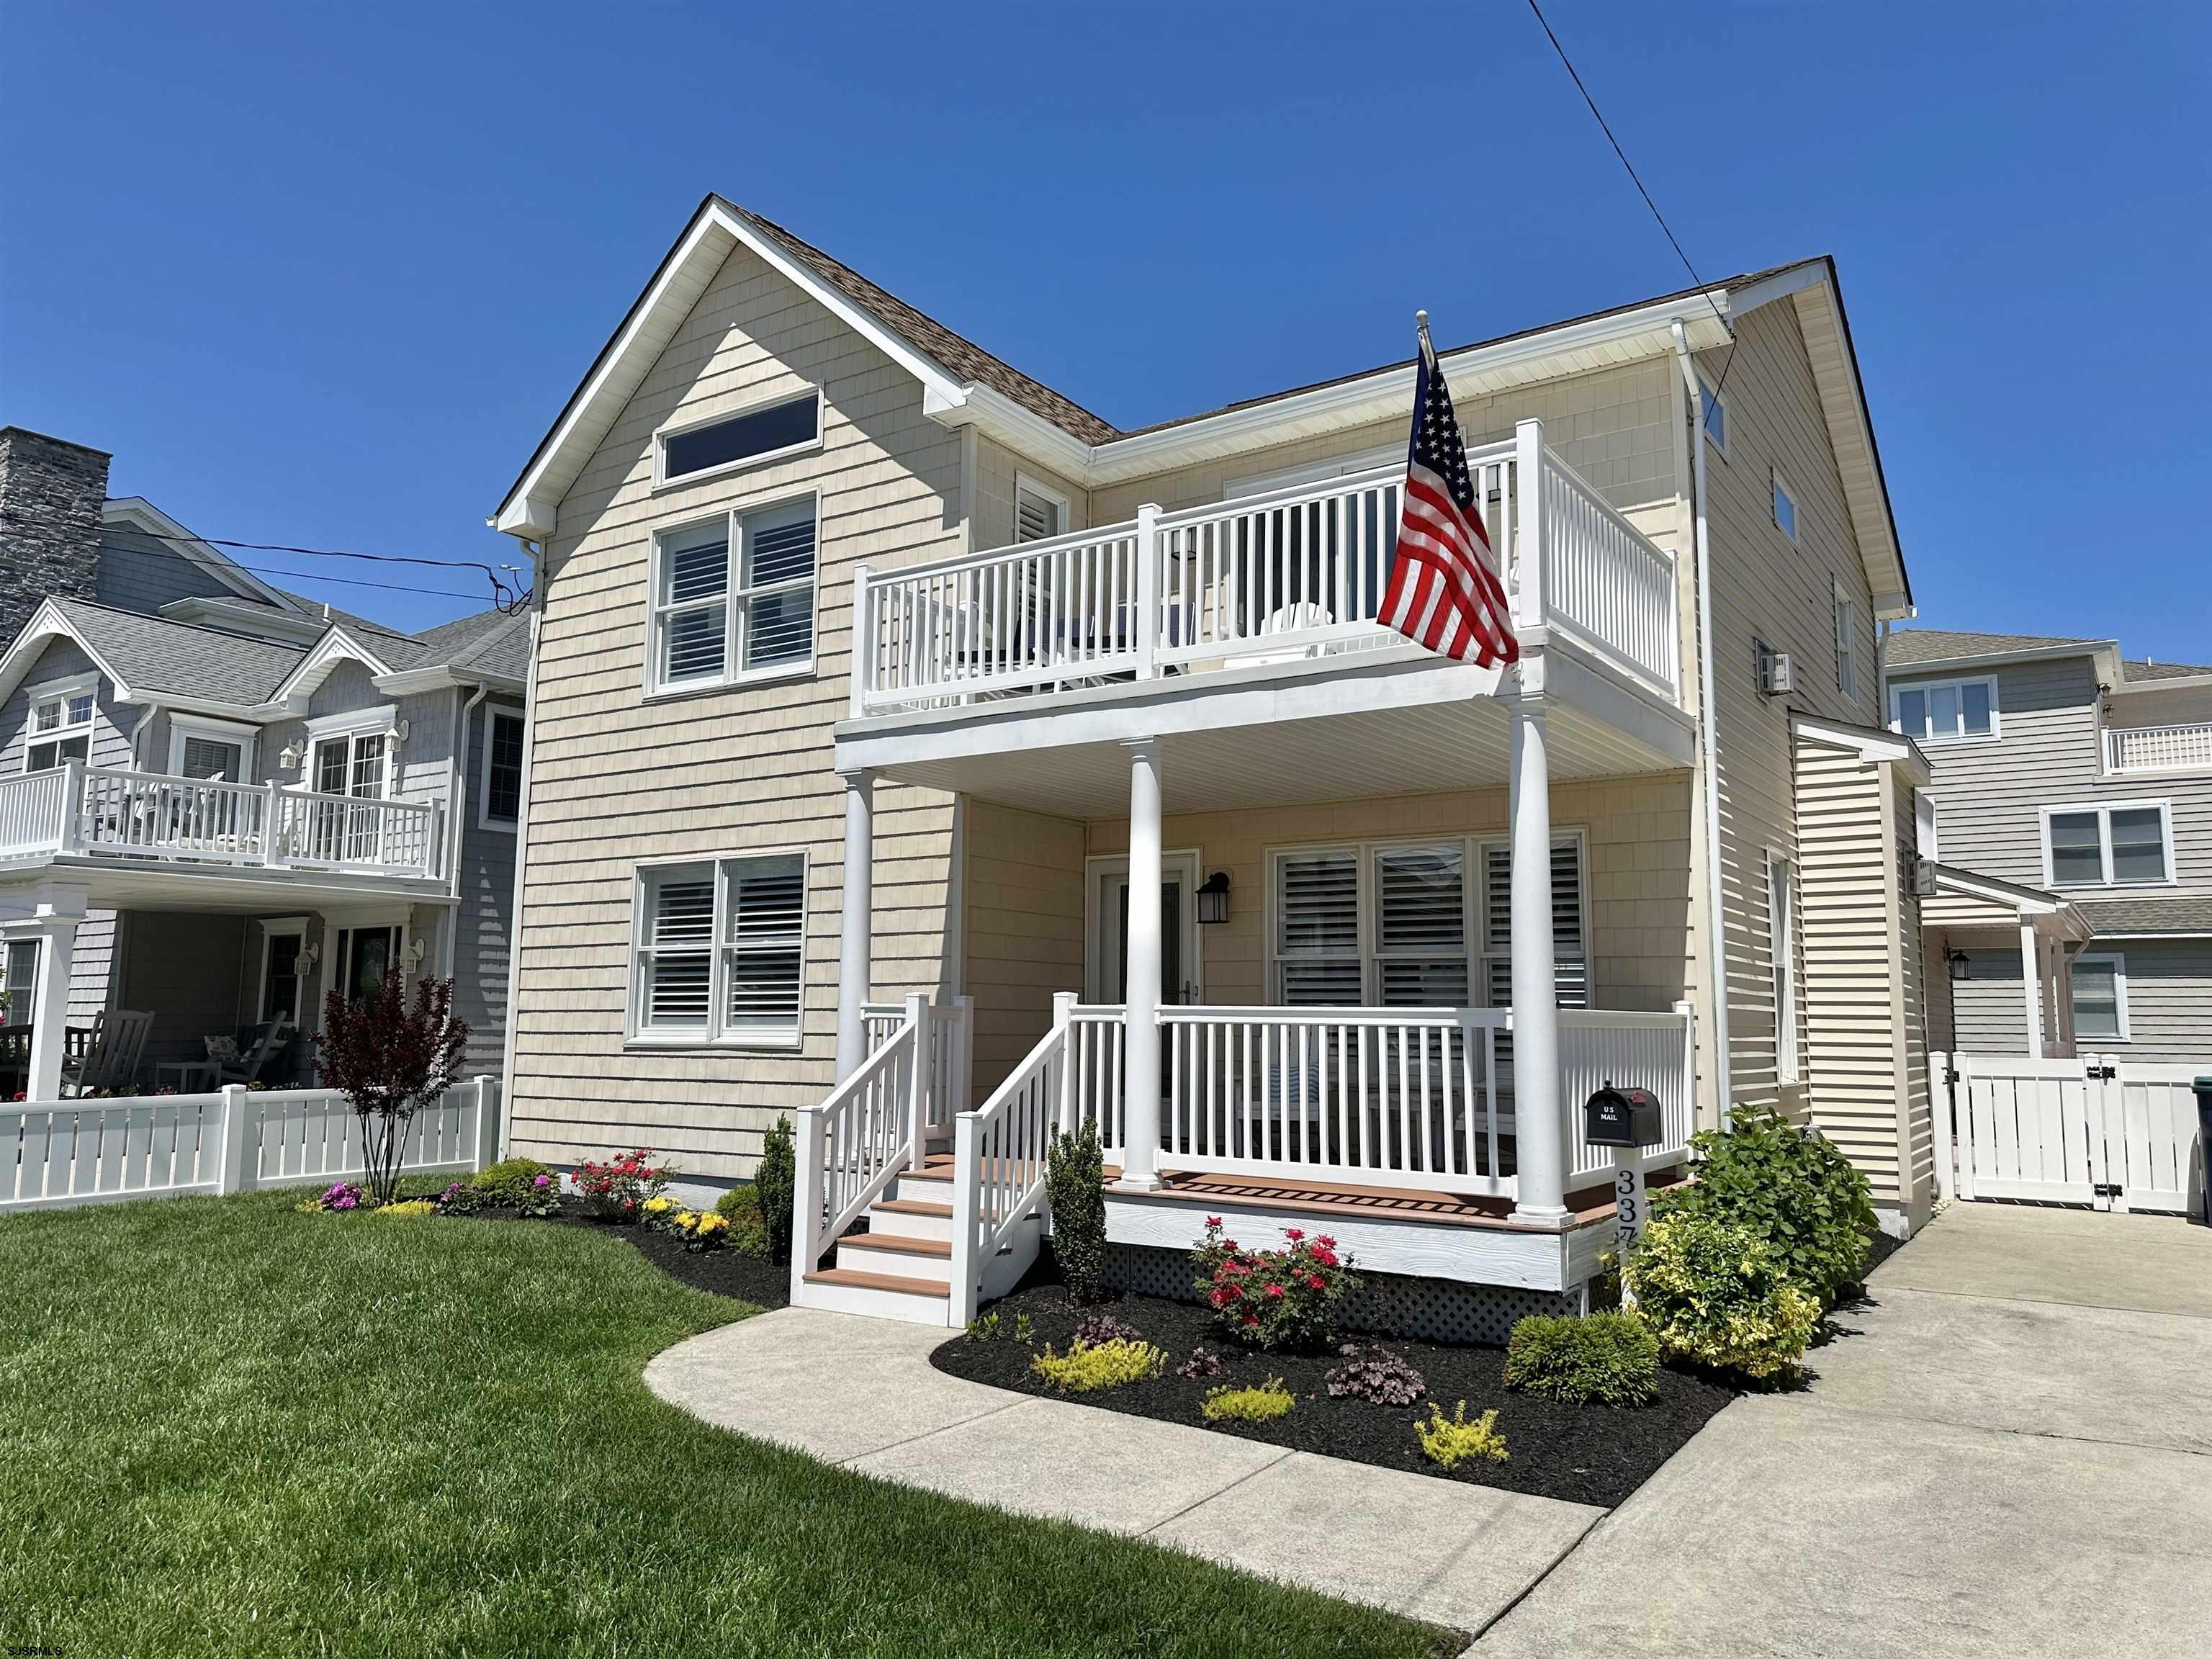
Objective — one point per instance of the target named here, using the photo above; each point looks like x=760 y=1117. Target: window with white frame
x=1843 y=616
x=59 y=727
x=502 y=768
x=720 y=951
x=1782 y=938
x=733 y=597
x=2109 y=844
x=1785 y=506
x=765 y=433
x=1946 y=711
x=19 y=977
x=2100 y=997
x=353 y=763
x=1405 y=927
x=218 y=749
x=1039 y=513
x=1712 y=413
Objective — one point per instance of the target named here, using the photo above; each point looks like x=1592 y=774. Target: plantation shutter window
x=735 y=596
x=1570 y=954
x=762 y=947
x=1420 y=933
x=211 y=757
x=721 y=952
x=1317 y=921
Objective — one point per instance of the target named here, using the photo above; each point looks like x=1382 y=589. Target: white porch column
x=856 y=917
x=2031 y=974
x=1141 y=1113
x=50 y=1010
x=1539 y=1130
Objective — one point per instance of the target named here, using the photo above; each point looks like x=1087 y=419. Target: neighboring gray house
x=220 y=800
x=2064 y=770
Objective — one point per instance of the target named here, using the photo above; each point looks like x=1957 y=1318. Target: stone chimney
x=50 y=494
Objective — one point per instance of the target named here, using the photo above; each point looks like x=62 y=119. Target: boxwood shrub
x=1607 y=1359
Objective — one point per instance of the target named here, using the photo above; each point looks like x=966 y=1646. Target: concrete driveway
x=2008 y=1452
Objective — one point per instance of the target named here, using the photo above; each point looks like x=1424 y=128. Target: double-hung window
x=1946 y=711
x=1842 y=615
x=1782 y=939
x=2100 y=997
x=720 y=952
x=733 y=597
x=1712 y=413
x=2115 y=844
x=1785 y=506
x=502 y=769
x=1408 y=926
x=218 y=749
x=60 y=725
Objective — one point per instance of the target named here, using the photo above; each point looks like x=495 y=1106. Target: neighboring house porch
x=1410 y=913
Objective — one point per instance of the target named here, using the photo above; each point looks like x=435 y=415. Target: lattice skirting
x=1433 y=1309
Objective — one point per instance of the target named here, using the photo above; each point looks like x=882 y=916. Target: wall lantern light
x=290 y=757
x=1957 y=961
x=1214 y=898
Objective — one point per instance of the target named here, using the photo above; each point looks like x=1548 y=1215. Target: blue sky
x=324 y=277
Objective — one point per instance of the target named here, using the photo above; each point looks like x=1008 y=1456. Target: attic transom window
x=782 y=428
x=60 y=726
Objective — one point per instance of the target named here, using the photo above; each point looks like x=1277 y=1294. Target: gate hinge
x=2104 y=1073
x=2108 y=1189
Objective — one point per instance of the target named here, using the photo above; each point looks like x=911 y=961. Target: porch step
x=848 y=1290
x=911 y=1217
x=927 y=1261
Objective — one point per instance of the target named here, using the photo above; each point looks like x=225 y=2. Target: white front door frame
x=1180 y=865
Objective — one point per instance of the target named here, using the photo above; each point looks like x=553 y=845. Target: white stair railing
x=998 y=1167
x=951 y=1053
x=852 y=1147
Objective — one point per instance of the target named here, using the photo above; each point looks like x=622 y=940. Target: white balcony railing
x=107 y=810
x=1292 y=574
x=2158 y=748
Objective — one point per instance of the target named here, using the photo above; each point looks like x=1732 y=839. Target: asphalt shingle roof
x=154 y=654
x=1918 y=644
x=2120 y=917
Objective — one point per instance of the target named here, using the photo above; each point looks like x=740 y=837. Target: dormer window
x=60 y=725
x=763 y=433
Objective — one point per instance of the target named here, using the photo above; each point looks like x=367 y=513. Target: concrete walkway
x=2009 y=1452
x=862 y=1394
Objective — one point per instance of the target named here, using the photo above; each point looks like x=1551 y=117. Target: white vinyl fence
x=2112 y=1134
x=54 y=1154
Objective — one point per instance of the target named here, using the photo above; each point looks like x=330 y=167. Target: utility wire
x=1703 y=287
x=505 y=596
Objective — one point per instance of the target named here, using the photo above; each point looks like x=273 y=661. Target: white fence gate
x=2112 y=1134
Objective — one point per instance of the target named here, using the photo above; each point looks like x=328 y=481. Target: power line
x=505 y=596
x=1604 y=126
x=269 y=570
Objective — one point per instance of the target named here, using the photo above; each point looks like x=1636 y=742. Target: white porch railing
x=2158 y=748
x=111 y=810
x=1294 y=573
x=1374 y=1097
x=998 y=1167
x=851 y=1147
x=952 y=1053
x=54 y=1155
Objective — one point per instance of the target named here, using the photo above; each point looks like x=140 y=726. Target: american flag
x=1444 y=592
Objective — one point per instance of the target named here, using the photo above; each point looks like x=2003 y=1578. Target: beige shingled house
x=873 y=679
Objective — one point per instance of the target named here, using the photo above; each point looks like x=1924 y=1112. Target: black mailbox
x=1622 y=1117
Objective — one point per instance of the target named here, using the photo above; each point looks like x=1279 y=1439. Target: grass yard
x=234 y=1429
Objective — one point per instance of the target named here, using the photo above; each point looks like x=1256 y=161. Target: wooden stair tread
x=912 y=1207
x=931 y=1172
x=868 y=1281
x=899 y=1245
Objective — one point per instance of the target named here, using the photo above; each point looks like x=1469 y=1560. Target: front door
x=1107 y=978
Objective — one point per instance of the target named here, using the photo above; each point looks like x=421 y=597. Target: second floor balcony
x=112 y=816
x=1291 y=576
x=2136 y=749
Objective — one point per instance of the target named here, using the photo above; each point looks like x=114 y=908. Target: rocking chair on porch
x=109 y=1057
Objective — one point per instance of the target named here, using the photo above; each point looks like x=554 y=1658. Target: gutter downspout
x=539 y=571
x=459 y=794
x=138 y=730
x=1708 y=739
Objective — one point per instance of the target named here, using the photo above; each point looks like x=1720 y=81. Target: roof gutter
x=1708 y=740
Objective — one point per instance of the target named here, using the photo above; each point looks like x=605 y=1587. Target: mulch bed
x=1584 y=1454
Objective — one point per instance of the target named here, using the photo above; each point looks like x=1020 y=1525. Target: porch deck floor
x=1589 y=1204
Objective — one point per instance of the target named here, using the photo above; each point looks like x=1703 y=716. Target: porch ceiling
x=117 y=885
x=1463 y=745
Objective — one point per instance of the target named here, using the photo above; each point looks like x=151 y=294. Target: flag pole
x=1421 y=333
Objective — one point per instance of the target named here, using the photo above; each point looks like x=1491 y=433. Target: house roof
x=1916 y=648
x=964 y=385
x=2134 y=918
x=152 y=653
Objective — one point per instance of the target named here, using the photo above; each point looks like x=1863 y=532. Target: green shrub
x=1716 y=1295
x=509 y=1181
x=1075 y=1189
x=1084 y=1369
x=1609 y=1358
x=741 y=1208
x=1789 y=1186
x=1264 y=1404
x=409 y=1209
x=775 y=1181
x=1450 y=1440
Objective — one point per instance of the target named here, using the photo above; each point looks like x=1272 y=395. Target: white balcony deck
x=2134 y=749
x=108 y=819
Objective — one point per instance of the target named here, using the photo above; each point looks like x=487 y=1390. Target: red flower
x=1317 y=1281
x=1325 y=1242
x=1293 y=1234
x=1213 y=1221
x=1229 y=1244
x=1275 y=1291
x=1327 y=1257
x=1251 y=1319
x=1218 y=1297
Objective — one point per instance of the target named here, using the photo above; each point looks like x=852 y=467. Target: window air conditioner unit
x=1774 y=674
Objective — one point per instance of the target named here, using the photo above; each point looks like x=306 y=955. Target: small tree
x=1075 y=1189
x=776 y=1181
x=390 y=1061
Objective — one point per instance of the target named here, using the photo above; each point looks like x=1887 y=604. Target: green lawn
x=230 y=1429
